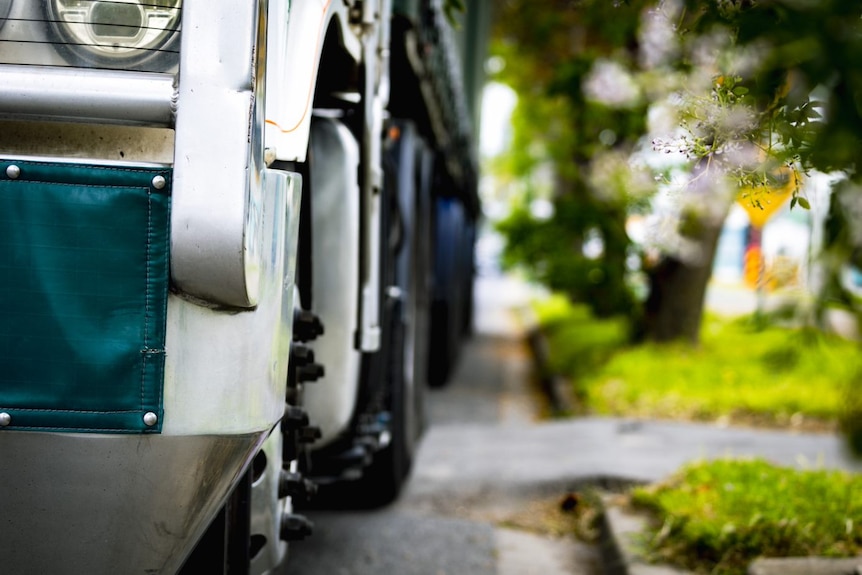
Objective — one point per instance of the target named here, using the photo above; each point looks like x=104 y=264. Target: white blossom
x=612 y=85
x=657 y=37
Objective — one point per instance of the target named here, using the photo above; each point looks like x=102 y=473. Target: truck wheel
x=383 y=480
x=441 y=352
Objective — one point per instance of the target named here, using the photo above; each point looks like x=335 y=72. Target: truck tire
x=383 y=480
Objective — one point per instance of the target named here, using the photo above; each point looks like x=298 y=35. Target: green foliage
x=771 y=376
x=551 y=252
x=581 y=342
x=452 y=8
x=803 y=46
x=790 y=67
x=715 y=517
x=742 y=371
x=549 y=49
x=762 y=91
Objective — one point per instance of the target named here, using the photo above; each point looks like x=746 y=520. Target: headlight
x=127 y=34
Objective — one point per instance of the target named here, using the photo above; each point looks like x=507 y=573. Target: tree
x=759 y=89
x=549 y=49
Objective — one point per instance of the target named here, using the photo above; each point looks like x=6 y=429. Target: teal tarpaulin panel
x=83 y=296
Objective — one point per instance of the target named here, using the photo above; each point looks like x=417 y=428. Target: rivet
x=13 y=172
x=5 y=419
x=159 y=182
x=150 y=418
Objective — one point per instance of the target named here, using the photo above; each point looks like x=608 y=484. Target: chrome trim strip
x=219 y=146
x=115 y=97
x=94 y=162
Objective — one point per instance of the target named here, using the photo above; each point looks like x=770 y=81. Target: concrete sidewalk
x=562 y=454
x=495 y=468
x=476 y=465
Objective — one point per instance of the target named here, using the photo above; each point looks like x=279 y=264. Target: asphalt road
x=446 y=523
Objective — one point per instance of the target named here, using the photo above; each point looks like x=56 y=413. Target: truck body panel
x=293 y=182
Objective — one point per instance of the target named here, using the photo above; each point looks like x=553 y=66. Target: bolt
x=306 y=326
x=302 y=354
x=309 y=373
x=294 y=418
x=295 y=527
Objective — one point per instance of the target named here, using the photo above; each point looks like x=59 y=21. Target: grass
x=740 y=373
x=715 y=517
x=579 y=343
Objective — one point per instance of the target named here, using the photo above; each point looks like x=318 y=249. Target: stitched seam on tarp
x=147 y=291
x=97 y=186
x=147 y=295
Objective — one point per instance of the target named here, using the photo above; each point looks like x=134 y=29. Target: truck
x=237 y=247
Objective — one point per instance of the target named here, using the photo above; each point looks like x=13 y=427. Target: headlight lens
x=129 y=34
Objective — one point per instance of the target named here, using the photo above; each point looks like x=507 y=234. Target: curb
x=620 y=531
x=620 y=535
x=806 y=566
x=552 y=384
x=619 y=538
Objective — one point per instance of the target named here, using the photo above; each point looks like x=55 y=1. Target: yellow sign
x=752 y=270
x=761 y=203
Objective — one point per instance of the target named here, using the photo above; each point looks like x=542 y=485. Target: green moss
x=715 y=517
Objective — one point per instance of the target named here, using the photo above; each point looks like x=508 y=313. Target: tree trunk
x=674 y=308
